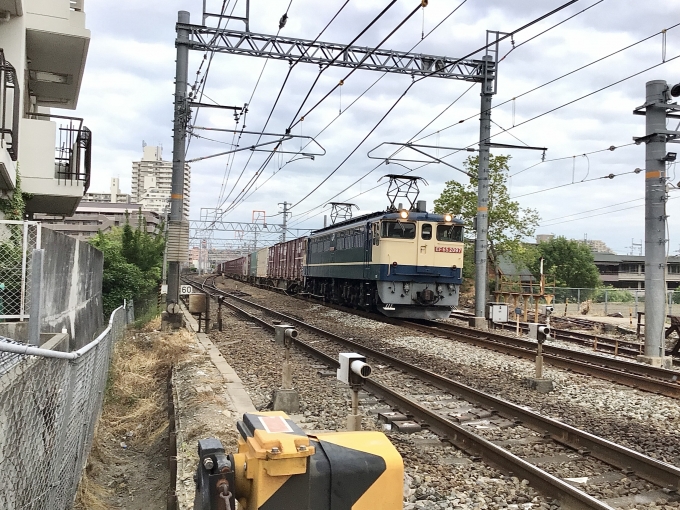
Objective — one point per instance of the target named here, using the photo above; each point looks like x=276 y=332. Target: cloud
x=128 y=90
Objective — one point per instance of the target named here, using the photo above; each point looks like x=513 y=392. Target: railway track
x=636 y=375
x=598 y=342
x=472 y=408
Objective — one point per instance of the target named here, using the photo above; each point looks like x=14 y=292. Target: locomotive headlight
x=448 y=217
x=451 y=287
x=407 y=288
x=440 y=289
x=403 y=214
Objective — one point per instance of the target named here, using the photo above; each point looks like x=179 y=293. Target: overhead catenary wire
x=611 y=148
x=347 y=76
x=395 y=152
x=263 y=166
x=203 y=81
x=252 y=95
x=552 y=223
x=567 y=104
x=347 y=46
x=510 y=34
x=514 y=47
x=564 y=105
x=357 y=99
x=550 y=82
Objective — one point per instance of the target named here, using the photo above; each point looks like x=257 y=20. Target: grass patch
x=135 y=406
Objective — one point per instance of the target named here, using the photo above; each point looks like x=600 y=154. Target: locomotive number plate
x=446 y=249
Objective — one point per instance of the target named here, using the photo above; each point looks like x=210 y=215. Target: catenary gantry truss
x=330 y=54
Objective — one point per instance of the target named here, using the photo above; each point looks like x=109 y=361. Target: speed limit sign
x=185 y=289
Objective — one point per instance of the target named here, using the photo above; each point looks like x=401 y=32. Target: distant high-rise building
x=597 y=246
x=114 y=197
x=152 y=181
x=544 y=238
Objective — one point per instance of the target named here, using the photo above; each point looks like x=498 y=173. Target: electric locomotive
x=402 y=263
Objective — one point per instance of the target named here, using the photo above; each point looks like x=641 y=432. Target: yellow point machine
x=279 y=467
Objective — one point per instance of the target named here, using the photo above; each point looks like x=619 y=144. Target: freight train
x=401 y=263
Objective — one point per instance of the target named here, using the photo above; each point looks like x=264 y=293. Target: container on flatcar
x=286 y=263
x=262 y=261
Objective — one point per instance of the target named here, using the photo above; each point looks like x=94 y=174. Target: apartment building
x=91 y=217
x=152 y=181
x=43 y=50
x=114 y=196
x=628 y=271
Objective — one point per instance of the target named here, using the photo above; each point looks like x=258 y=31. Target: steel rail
x=569 y=496
x=657 y=472
x=638 y=375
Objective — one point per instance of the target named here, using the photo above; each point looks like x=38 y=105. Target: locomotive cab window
x=426 y=232
x=450 y=233
x=398 y=230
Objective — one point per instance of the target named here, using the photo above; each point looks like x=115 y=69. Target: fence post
x=36 y=292
x=24 y=254
x=606 y=300
x=578 y=298
x=59 y=455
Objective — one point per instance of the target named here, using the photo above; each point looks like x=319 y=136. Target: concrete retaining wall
x=72 y=288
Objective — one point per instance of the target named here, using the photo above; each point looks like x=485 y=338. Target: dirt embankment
x=128 y=463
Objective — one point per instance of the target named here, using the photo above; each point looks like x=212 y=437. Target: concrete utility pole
x=178 y=154
x=481 y=244
x=655 y=222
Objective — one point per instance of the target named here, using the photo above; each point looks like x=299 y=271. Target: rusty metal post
x=219 y=312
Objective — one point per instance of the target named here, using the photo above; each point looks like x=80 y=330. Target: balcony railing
x=77 y=5
x=73 y=152
x=9 y=107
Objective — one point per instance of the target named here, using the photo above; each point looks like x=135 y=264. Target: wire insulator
x=283 y=20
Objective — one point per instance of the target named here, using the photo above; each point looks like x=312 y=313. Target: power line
x=608 y=176
x=321 y=71
x=602 y=214
x=204 y=79
x=611 y=148
x=343 y=80
x=514 y=47
x=555 y=79
x=254 y=178
x=252 y=95
x=368 y=54
x=569 y=103
x=358 y=98
x=395 y=152
x=527 y=25
x=592 y=210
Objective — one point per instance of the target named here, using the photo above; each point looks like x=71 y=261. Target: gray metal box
x=497 y=312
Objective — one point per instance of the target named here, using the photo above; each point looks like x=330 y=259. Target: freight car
x=405 y=263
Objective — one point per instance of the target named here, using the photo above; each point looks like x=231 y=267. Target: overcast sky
x=126 y=98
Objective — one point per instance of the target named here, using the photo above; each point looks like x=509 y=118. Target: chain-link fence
x=18 y=239
x=49 y=404
x=607 y=301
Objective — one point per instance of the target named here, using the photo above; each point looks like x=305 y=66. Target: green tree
x=133 y=260
x=569 y=262
x=508 y=222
